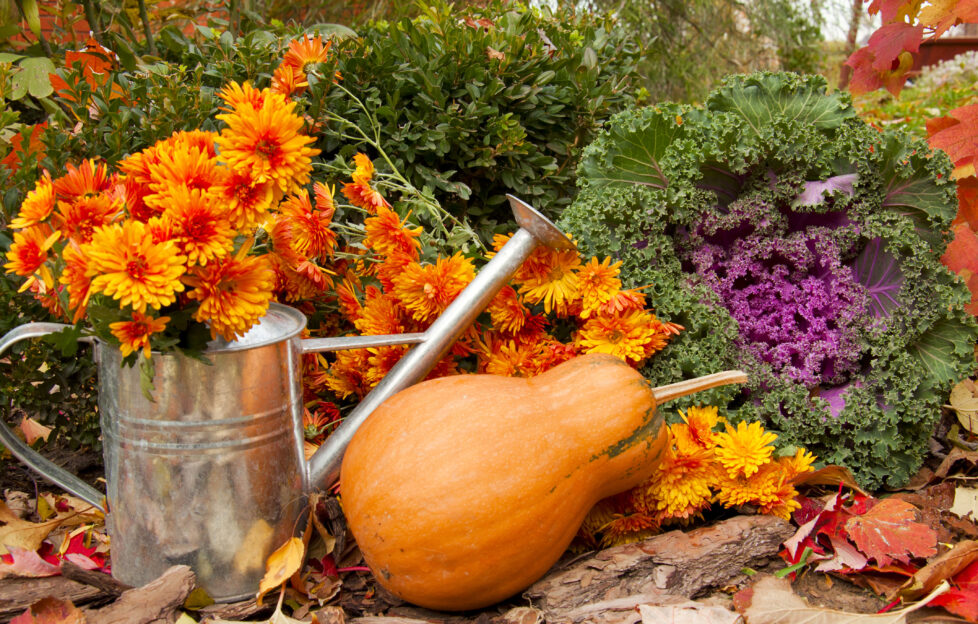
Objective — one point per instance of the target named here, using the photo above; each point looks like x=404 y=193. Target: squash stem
x=689 y=386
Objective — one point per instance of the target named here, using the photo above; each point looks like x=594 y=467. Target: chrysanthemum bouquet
x=184 y=242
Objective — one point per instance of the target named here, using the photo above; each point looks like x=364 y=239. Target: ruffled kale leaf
x=796 y=242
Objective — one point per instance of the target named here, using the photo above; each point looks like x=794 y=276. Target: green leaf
x=33 y=78
x=632 y=151
x=339 y=31
x=939 y=348
x=33 y=15
x=65 y=340
x=760 y=99
x=7 y=57
x=911 y=189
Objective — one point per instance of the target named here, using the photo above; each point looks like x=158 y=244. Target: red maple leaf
x=961 y=257
x=957 y=134
x=890 y=40
x=962 y=598
x=889 y=10
x=968 y=202
x=889 y=531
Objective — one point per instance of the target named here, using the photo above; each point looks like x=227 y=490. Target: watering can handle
x=25 y=453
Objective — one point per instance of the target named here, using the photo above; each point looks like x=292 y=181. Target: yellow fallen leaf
x=21 y=533
x=965 y=404
x=281 y=565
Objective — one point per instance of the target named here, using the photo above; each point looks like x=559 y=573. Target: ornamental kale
x=798 y=243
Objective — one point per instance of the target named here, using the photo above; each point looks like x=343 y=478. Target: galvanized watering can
x=212 y=473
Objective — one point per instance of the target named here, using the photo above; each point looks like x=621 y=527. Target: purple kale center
x=798 y=303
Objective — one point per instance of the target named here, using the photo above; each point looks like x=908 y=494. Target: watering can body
x=211 y=473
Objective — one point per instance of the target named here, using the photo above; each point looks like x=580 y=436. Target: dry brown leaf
x=965 y=404
x=773 y=602
x=953 y=457
x=21 y=533
x=281 y=565
x=943 y=567
x=688 y=613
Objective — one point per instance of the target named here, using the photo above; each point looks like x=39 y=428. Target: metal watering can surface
x=212 y=474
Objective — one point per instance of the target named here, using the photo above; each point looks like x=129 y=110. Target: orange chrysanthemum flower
x=598 y=283
x=37 y=206
x=797 y=464
x=681 y=483
x=507 y=312
x=346 y=296
x=627 y=337
x=623 y=301
x=127 y=265
x=288 y=81
x=305 y=51
x=268 y=142
x=233 y=292
x=134 y=335
x=237 y=96
x=79 y=218
x=311 y=233
x=247 y=202
x=382 y=314
x=28 y=254
x=345 y=376
x=85 y=180
x=76 y=280
x=744 y=449
x=697 y=426
x=198 y=225
x=426 y=290
x=509 y=358
x=181 y=167
x=388 y=234
x=556 y=285
x=362 y=195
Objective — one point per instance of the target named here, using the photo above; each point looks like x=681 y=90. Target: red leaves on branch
x=888 y=57
x=957 y=134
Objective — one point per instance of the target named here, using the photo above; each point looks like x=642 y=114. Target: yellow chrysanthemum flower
x=134 y=335
x=551 y=279
x=628 y=337
x=681 y=483
x=37 y=206
x=744 y=449
x=77 y=280
x=311 y=233
x=507 y=312
x=598 y=283
x=28 y=255
x=760 y=489
x=128 y=266
x=268 y=143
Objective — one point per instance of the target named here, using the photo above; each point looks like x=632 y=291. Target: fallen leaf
x=773 y=602
x=963 y=400
x=27 y=563
x=281 y=565
x=845 y=556
x=962 y=598
x=22 y=533
x=50 y=611
x=889 y=531
x=965 y=501
x=941 y=568
x=33 y=430
x=954 y=456
x=688 y=613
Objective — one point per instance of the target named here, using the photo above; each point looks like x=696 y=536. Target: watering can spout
x=432 y=345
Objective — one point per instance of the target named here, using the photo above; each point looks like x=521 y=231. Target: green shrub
x=475 y=105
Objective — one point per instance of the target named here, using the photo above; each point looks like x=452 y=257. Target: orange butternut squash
x=462 y=491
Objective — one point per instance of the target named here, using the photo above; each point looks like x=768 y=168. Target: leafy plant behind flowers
x=797 y=242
